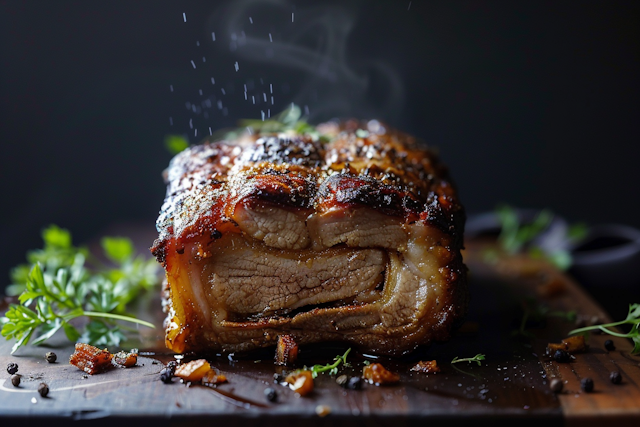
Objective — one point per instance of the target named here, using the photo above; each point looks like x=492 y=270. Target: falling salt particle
x=193 y=63
x=253 y=98
x=223 y=92
x=213 y=81
x=191 y=123
x=184 y=16
x=213 y=36
x=261 y=81
x=306 y=110
x=409 y=6
x=270 y=38
x=197 y=43
x=262 y=112
x=237 y=67
x=210 y=133
x=249 y=130
x=270 y=87
x=170 y=121
x=204 y=59
x=219 y=105
x=291 y=16
x=200 y=92
x=195 y=132
x=245 y=96
x=272 y=100
x=269 y=113
x=34 y=400
x=171 y=88
x=250 y=20
x=265 y=96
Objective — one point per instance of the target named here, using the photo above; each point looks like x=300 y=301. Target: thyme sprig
x=332 y=368
x=477 y=358
x=633 y=319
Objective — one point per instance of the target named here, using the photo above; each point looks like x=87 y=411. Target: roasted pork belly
x=354 y=236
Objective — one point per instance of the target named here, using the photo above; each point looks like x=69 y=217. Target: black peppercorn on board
x=514 y=382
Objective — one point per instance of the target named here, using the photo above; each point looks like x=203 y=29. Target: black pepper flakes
x=342 y=380
x=609 y=346
x=615 y=377
x=50 y=357
x=354 y=383
x=166 y=375
x=556 y=385
x=15 y=380
x=43 y=389
x=172 y=365
x=12 y=368
x=270 y=394
x=216 y=234
x=586 y=384
x=561 y=356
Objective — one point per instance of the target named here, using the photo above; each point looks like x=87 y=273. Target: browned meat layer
x=354 y=238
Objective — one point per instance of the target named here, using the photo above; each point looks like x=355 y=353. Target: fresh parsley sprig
x=633 y=319
x=60 y=287
x=477 y=358
x=331 y=368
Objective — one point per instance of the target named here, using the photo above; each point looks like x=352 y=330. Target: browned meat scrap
x=90 y=359
x=354 y=236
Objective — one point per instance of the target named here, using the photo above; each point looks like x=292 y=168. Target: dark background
x=530 y=103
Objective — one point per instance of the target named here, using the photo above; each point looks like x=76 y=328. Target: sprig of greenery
x=633 y=319
x=59 y=287
x=331 y=368
x=477 y=358
x=289 y=120
x=176 y=143
x=516 y=237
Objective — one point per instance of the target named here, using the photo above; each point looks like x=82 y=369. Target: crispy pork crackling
x=352 y=237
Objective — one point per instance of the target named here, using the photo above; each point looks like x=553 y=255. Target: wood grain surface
x=511 y=385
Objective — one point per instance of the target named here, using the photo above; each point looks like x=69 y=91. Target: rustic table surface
x=511 y=385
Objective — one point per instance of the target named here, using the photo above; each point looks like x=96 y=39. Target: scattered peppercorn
x=342 y=380
x=556 y=385
x=587 y=384
x=216 y=234
x=615 y=377
x=12 y=368
x=270 y=394
x=51 y=357
x=278 y=378
x=43 y=389
x=561 y=356
x=166 y=374
x=15 y=380
x=608 y=344
x=354 y=383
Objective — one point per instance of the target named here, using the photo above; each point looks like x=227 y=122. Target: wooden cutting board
x=511 y=385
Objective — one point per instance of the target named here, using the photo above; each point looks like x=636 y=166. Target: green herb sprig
x=331 y=368
x=633 y=319
x=60 y=287
x=516 y=237
x=477 y=358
